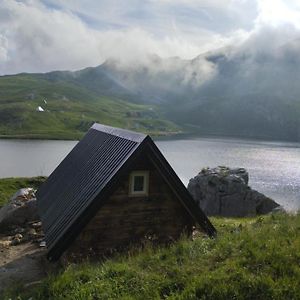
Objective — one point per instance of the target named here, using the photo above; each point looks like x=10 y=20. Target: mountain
x=64 y=104
x=251 y=94
x=232 y=91
x=240 y=91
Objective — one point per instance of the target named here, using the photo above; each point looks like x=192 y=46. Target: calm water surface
x=274 y=167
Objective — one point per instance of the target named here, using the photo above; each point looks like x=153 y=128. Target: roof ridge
x=123 y=133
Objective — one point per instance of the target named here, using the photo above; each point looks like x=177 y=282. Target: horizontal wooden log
x=123 y=219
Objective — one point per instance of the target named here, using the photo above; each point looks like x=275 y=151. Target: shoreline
x=161 y=136
x=75 y=137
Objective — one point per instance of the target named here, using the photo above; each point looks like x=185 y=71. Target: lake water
x=274 y=167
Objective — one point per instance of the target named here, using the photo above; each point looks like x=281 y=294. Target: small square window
x=139 y=183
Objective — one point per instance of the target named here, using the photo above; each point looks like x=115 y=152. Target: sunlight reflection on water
x=273 y=166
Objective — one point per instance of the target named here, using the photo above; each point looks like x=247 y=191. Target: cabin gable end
x=126 y=219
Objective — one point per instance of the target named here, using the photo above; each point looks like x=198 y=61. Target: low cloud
x=3 y=49
x=39 y=36
x=39 y=39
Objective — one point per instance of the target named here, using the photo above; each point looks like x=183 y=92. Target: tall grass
x=255 y=258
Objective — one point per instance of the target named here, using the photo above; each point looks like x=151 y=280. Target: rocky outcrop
x=225 y=192
x=22 y=245
x=20 y=209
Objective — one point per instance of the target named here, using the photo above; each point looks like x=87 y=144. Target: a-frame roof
x=66 y=201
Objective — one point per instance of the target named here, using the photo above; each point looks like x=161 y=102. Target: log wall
x=125 y=219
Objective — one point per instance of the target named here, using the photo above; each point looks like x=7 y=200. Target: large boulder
x=20 y=209
x=225 y=192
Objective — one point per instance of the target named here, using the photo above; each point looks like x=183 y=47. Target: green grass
x=8 y=186
x=70 y=110
x=255 y=258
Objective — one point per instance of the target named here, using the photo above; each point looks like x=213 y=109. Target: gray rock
x=21 y=208
x=32 y=232
x=17 y=239
x=19 y=230
x=225 y=192
x=22 y=195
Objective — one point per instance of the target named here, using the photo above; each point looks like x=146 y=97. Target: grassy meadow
x=251 y=258
x=70 y=109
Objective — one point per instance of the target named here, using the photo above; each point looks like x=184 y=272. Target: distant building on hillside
x=113 y=189
x=39 y=108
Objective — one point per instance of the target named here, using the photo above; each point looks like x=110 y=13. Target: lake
x=274 y=167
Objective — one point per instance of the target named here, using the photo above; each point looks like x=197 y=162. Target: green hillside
x=69 y=108
x=251 y=259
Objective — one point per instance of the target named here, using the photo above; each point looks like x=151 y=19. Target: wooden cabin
x=113 y=189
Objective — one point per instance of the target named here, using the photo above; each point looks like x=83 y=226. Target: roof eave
x=179 y=189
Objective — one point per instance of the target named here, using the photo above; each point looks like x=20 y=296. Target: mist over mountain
x=249 y=90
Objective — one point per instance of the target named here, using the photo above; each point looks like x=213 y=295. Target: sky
x=45 y=35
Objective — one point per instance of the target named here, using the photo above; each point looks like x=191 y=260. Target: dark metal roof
x=66 y=199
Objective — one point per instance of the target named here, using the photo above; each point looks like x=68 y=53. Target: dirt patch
x=23 y=256
x=23 y=263
x=22 y=246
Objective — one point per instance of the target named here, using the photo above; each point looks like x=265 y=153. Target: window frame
x=145 y=191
